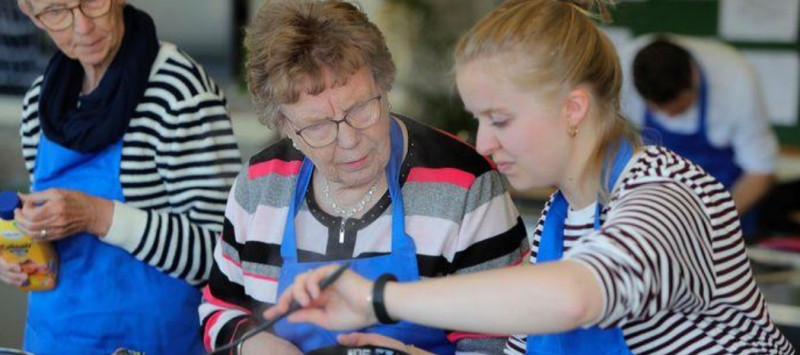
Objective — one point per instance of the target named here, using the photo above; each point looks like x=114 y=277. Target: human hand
x=342 y=306
x=362 y=339
x=259 y=343
x=58 y=213
x=11 y=273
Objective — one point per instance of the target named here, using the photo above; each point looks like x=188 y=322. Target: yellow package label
x=37 y=259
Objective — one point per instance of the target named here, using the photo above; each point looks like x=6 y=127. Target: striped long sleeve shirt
x=458 y=213
x=671 y=263
x=179 y=160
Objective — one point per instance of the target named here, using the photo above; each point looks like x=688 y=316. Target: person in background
x=351 y=181
x=131 y=153
x=701 y=98
x=638 y=252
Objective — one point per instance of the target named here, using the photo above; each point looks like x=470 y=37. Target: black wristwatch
x=378 y=304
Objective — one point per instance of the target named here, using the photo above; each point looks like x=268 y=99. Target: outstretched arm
x=553 y=297
x=749 y=189
x=608 y=276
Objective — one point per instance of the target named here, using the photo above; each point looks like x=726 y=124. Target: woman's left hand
x=362 y=339
x=58 y=213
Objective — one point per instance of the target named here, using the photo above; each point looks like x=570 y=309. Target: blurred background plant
x=421 y=35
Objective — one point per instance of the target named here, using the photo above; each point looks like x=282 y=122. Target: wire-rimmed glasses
x=361 y=116
x=60 y=18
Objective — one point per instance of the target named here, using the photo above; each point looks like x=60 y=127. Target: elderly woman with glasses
x=351 y=181
x=131 y=154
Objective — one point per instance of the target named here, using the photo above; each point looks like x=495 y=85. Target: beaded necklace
x=348 y=212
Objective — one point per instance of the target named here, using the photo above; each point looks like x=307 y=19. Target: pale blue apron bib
x=401 y=262
x=104 y=298
x=592 y=341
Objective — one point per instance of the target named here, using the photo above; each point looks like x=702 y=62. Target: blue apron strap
x=551 y=246
x=289 y=243
x=703 y=105
x=621 y=159
x=399 y=239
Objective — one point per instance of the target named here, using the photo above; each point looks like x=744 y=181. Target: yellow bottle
x=37 y=259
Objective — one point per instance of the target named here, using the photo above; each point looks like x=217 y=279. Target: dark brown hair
x=662 y=70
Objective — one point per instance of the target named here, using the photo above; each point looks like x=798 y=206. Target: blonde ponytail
x=597 y=9
x=557 y=46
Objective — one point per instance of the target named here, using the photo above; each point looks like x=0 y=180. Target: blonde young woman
x=639 y=251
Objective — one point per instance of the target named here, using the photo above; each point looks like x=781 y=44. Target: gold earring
x=572 y=131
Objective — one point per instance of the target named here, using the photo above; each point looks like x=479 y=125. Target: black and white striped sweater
x=179 y=159
x=671 y=262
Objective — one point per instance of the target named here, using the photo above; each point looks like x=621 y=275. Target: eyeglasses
x=60 y=18
x=361 y=116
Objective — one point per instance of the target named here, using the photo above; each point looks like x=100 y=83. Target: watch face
x=361 y=350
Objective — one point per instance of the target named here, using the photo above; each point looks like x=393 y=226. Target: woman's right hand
x=11 y=273
x=342 y=306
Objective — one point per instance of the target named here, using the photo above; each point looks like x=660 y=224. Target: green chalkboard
x=692 y=17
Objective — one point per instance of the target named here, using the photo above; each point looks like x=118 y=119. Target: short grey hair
x=292 y=40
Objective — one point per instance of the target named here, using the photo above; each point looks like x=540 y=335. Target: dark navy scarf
x=88 y=124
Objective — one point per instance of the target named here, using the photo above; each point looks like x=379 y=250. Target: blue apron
x=717 y=162
x=104 y=298
x=579 y=341
x=401 y=262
